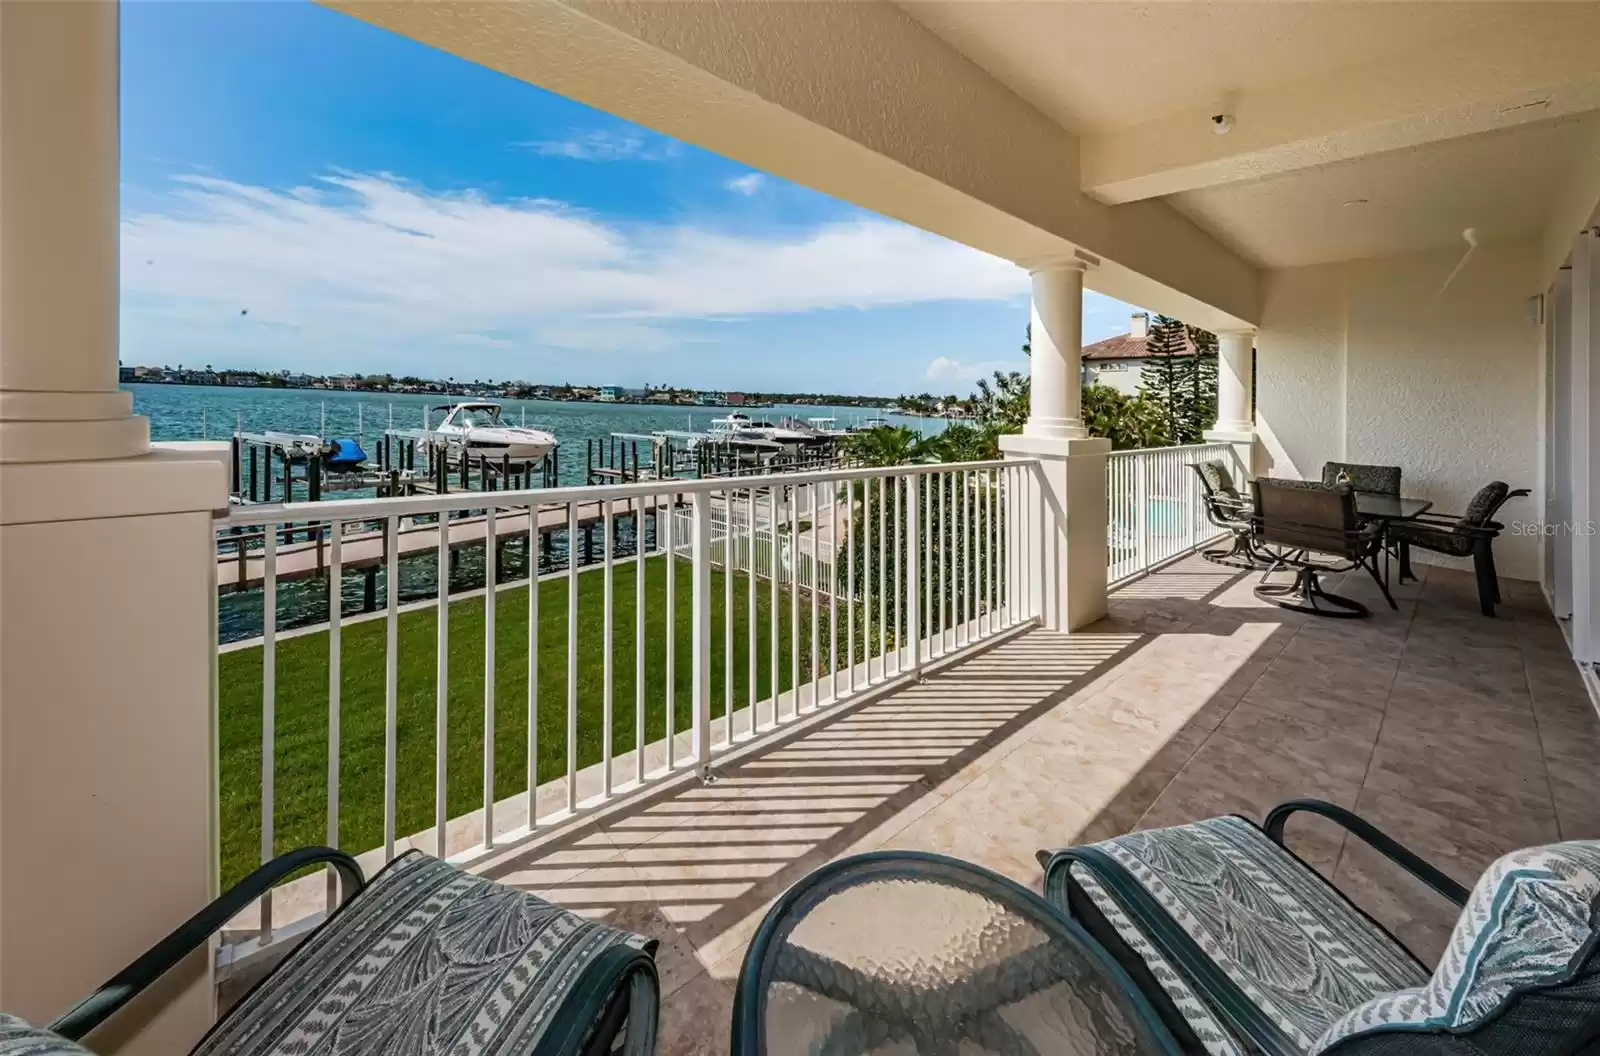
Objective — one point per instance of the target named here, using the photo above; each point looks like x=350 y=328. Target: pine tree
x=1162 y=377
x=1200 y=385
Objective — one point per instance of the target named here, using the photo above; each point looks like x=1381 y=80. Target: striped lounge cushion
x=1300 y=953
x=429 y=959
x=17 y=1038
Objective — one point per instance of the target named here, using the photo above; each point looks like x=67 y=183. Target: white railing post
x=913 y=572
x=1141 y=513
x=700 y=571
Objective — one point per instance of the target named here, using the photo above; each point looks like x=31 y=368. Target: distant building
x=733 y=399
x=238 y=378
x=611 y=393
x=299 y=381
x=126 y=374
x=659 y=397
x=713 y=399
x=1118 y=361
x=343 y=381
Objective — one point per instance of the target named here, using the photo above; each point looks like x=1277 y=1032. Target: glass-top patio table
x=911 y=953
x=1376 y=507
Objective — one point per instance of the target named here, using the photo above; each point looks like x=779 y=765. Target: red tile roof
x=1126 y=346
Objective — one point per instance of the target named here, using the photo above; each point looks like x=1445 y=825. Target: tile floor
x=1463 y=737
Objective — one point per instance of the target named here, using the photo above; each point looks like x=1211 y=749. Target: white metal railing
x=742 y=539
x=925 y=561
x=1154 y=508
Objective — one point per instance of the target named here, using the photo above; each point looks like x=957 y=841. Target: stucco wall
x=1122 y=375
x=1364 y=361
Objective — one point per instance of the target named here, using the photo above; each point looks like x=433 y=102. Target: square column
x=1236 y=354
x=107 y=575
x=1066 y=564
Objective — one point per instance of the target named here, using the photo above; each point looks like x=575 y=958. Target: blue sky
x=302 y=190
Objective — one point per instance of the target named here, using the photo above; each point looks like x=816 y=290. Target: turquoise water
x=198 y=412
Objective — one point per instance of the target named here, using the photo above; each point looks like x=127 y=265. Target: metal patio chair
x=1244 y=949
x=1378 y=480
x=1227 y=509
x=424 y=959
x=1294 y=521
x=1470 y=535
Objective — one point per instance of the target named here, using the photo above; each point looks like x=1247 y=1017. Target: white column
x=1584 y=335
x=107 y=573
x=1067 y=560
x=1056 y=360
x=58 y=269
x=1236 y=356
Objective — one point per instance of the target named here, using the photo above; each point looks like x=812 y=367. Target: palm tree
x=887 y=445
x=965 y=443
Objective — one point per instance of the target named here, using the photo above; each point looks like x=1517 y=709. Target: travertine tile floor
x=1463 y=737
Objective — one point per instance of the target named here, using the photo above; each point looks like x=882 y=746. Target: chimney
x=1139 y=325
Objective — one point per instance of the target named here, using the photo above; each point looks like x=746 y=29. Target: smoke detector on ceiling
x=1222 y=124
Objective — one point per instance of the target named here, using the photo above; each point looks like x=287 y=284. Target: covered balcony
x=1394 y=237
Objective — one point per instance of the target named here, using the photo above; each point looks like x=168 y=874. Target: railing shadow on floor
x=697 y=864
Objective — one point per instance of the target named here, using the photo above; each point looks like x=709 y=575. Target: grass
x=301 y=725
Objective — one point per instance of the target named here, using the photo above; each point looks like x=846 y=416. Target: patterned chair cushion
x=1430 y=537
x=17 y=1038
x=1484 y=503
x=1218 y=479
x=1301 y=953
x=1530 y=924
x=429 y=959
x=1379 y=480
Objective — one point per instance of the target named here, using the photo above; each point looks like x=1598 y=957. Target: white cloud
x=747 y=184
x=952 y=371
x=358 y=266
x=601 y=145
x=604 y=336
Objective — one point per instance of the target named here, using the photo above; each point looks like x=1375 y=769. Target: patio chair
x=1230 y=511
x=1376 y=480
x=1302 y=518
x=1243 y=948
x=913 y=953
x=1472 y=534
x=423 y=959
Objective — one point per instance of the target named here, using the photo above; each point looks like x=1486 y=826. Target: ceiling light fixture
x=1222 y=124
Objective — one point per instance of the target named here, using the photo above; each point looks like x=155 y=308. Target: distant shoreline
x=876 y=403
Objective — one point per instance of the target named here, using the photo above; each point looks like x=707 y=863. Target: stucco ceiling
x=1096 y=66
x=1500 y=183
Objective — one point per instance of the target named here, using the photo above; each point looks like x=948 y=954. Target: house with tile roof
x=1118 y=361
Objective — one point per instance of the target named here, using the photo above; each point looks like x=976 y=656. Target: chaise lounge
x=424 y=959
x=1245 y=949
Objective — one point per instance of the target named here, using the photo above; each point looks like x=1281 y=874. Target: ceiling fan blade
x=1471 y=237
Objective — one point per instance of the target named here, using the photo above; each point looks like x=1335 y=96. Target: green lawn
x=301 y=768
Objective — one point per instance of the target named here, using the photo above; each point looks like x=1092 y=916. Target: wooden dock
x=243 y=569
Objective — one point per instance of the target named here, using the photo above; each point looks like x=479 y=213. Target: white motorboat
x=825 y=427
x=479 y=427
x=740 y=426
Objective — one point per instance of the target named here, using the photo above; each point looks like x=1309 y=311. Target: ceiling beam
x=1525 y=68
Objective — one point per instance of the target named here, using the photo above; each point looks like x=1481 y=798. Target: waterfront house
x=611 y=393
x=1090 y=689
x=1118 y=361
